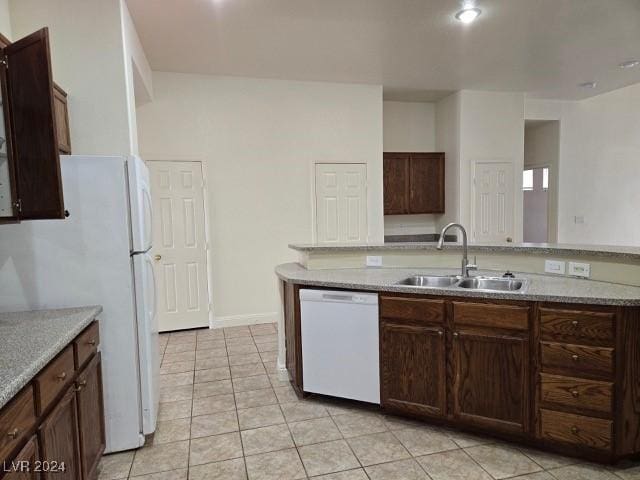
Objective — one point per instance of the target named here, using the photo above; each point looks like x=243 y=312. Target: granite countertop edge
x=295 y=273
x=602 y=251
x=85 y=316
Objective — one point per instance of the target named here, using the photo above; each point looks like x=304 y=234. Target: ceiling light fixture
x=468 y=14
x=588 y=84
x=629 y=64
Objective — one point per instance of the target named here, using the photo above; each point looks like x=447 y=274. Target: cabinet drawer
x=577 y=358
x=86 y=344
x=577 y=326
x=54 y=378
x=494 y=316
x=17 y=418
x=577 y=392
x=576 y=429
x=430 y=311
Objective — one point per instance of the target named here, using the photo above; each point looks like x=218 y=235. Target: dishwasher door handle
x=333 y=296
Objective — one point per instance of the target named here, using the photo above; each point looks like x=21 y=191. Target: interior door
x=179 y=244
x=341 y=202
x=493 y=202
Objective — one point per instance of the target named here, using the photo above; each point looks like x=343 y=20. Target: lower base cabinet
x=59 y=440
x=90 y=417
x=60 y=420
x=564 y=377
x=21 y=468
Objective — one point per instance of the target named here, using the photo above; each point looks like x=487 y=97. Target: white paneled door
x=179 y=246
x=493 y=202
x=341 y=202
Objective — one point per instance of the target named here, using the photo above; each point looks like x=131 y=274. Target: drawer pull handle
x=13 y=434
x=61 y=376
x=92 y=343
x=456 y=334
x=574 y=357
x=574 y=323
x=574 y=430
x=440 y=332
x=575 y=393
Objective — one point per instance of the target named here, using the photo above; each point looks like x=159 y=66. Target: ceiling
x=414 y=48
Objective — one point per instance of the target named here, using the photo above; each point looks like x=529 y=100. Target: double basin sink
x=483 y=284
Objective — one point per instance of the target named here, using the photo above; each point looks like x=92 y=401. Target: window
x=527 y=180
x=545 y=178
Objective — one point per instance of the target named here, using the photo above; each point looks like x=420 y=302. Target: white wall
x=5 y=19
x=88 y=62
x=258 y=141
x=448 y=141
x=409 y=127
x=542 y=149
x=491 y=130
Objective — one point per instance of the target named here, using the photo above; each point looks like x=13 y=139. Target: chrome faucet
x=466 y=266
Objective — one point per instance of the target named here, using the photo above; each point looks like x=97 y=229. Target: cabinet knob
x=61 y=376
x=440 y=332
x=13 y=434
x=80 y=385
x=574 y=430
x=575 y=393
x=574 y=357
x=456 y=334
x=92 y=343
x=574 y=323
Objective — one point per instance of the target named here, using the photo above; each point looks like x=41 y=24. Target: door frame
x=516 y=237
x=207 y=223
x=314 y=213
x=550 y=221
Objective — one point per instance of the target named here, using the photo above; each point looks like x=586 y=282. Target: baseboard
x=247 y=319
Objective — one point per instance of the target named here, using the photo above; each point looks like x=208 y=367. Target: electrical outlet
x=580 y=269
x=554 y=266
x=374 y=261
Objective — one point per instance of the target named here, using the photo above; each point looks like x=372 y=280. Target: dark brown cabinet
x=90 y=417
x=59 y=439
x=24 y=466
x=61 y=114
x=31 y=128
x=57 y=421
x=412 y=368
x=293 y=342
x=413 y=183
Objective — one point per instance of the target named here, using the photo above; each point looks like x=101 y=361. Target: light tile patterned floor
x=226 y=415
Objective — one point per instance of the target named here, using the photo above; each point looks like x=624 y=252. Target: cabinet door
x=412 y=365
x=491 y=386
x=396 y=183
x=90 y=417
x=426 y=183
x=32 y=126
x=23 y=466
x=59 y=439
x=292 y=334
x=61 y=113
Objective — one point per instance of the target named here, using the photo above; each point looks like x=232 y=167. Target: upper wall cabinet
x=34 y=116
x=413 y=183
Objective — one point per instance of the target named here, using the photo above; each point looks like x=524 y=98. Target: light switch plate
x=580 y=269
x=374 y=261
x=554 y=266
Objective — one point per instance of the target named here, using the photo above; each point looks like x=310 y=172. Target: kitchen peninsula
x=553 y=363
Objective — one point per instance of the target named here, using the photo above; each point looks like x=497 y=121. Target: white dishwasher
x=340 y=349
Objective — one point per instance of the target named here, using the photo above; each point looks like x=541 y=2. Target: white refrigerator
x=99 y=255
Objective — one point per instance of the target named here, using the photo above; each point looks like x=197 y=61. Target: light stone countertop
x=30 y=340
x=573 y=250
x=541 y=287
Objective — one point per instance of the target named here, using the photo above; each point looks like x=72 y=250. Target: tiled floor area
x=225 y=415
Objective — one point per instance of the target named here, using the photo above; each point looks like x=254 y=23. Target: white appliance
x=97 y=256
x=340 y=349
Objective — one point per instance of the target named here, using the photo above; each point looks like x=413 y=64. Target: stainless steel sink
x=494 y=284
x=483 y=284
x=430 y=281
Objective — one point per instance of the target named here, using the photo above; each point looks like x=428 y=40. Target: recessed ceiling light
x=468 y=14
x=588 y=84
x=629 y=64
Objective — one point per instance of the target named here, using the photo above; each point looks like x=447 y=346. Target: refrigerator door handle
x=153 y=305
x=148 y=216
